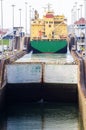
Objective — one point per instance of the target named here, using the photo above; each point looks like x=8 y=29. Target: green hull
x=46 y=46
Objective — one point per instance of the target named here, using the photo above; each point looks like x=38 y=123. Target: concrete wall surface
x=39 y=72
x=81 y=90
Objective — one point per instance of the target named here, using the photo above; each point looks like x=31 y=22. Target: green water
x=40 y=116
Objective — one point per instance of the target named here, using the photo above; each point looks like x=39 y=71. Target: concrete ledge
x=81 y=89
x=7 y=60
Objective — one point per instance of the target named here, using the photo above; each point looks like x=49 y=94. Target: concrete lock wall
x=41 y=73
x=64 y=74
x=24 y=73
x=81 y=90
x=82 y=97
x=2 y=84
x=34 y=81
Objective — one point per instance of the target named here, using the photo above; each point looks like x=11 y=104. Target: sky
x=58 y=6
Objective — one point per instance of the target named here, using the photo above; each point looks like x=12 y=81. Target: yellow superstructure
x=49 y=27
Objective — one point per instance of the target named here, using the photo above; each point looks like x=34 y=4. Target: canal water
x=45 y=57
x=40 y=116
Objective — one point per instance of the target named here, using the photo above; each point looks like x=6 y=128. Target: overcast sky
x=59 y=7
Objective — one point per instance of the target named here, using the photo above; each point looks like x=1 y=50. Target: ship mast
x=49 y=7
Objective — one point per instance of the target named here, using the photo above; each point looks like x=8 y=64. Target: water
x=40 y=116
x=44 y=57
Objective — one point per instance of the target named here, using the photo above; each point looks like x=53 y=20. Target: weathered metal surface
x=24 y=73
x=54 y=73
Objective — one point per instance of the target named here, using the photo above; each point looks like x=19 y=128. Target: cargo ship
x=49 y=33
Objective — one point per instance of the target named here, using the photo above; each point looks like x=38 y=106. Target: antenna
x=49 y=7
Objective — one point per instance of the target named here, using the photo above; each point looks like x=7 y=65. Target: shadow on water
x=47 y=92
x=41 y=114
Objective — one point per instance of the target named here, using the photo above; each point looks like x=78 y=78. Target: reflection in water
x=41 y=116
